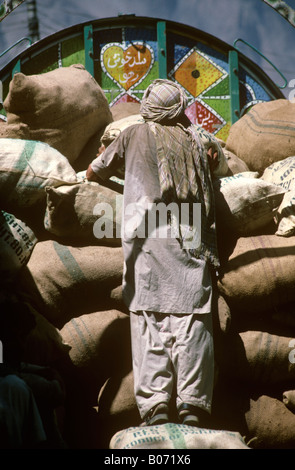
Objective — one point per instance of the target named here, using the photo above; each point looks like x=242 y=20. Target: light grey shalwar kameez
x=167 y=290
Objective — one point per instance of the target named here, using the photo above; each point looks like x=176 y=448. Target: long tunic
x=159 y=275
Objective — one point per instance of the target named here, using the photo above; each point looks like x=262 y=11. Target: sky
x=251 y=20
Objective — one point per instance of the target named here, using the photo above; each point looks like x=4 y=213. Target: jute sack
x=234 y=163
x=176 y=436
x=84 y=211
x=270 y=424
x=258 y=357
x=289 y=399
x=124 y=109
x=100 y=345
x=64 y=107
x=102 y=378
x=245 y=203
x=17 y=242
x=26 y=168
x=14 y=131
x=115 y=128
x=64 y=282
x=44 y=344
x=264 y=135
x=259 y=274
x=282 y=173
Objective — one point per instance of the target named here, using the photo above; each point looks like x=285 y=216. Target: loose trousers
x=172 y=353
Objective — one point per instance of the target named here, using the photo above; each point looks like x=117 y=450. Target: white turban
x=163 y=100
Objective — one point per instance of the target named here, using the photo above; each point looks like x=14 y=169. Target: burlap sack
x=44 y=344
x=122 y=400
x=100 y=344
x=101 y=399
x=256 y=412
x=176 y=436
x=234 y=163
x=257 y=357
x=282 y=173
x=259 y=274
x=63 y=282
x=270 y=424
x=264 y=135
x=120 y=112
x=84 y=211
x=245 y=203
x=289 y=399
x=64 y=107
x=14 y=131
x=115 y=128
x=17 y=242
x=124 y=109
x=26 y=168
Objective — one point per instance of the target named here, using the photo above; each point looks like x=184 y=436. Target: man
x=167 y=283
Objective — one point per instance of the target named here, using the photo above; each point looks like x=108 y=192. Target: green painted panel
x=72 y=51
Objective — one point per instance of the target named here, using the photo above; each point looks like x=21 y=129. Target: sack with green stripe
x=84 y=211
x=266 y=134
x=26 y=168
x=64 y=282
x=259 y=275
x=176 y=436
x=257 y=357
x=64 y=107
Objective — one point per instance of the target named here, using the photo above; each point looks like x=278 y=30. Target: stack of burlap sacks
x=72 y=280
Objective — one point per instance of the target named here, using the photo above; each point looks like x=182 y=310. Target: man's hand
x=212 y=158
x=90 y=175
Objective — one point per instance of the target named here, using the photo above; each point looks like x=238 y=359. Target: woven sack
x=64 y=282
x=282 y=173
x=176 y=436
x=17 y=242
x=64 y=107
x=44 y=344
x=124 y=109
x=26 y=168
x=115 y=128
x=14 y=131
x=234 y=163
x=259 y=274
x=288 y=398
x=245 y=203
x=264 y=135
x=100 y=344
x=258 y=357
x=85 y=211
x=270 y=425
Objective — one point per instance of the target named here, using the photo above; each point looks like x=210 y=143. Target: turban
x=163 y=100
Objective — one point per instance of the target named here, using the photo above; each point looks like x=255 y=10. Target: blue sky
x=251 y=20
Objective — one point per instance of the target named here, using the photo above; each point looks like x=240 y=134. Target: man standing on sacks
x=168 y=264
